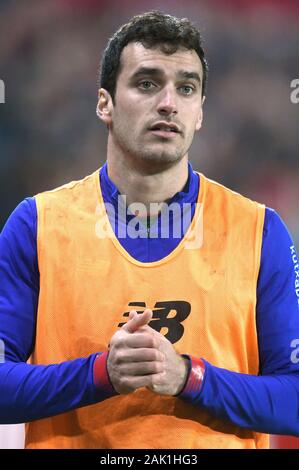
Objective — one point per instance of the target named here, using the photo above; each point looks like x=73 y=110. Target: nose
x=167 y=102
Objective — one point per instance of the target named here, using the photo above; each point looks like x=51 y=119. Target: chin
x=160 y=156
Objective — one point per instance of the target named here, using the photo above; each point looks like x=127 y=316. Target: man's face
x=158 y=104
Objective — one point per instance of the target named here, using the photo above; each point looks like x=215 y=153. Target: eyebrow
x=153 y=71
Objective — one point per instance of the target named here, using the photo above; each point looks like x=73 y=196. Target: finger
x=141 y=340
x=129 y=384
x=141 y=368
x=141 y=355
x=137 y=320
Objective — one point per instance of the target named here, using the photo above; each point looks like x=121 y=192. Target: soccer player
x=185 y=340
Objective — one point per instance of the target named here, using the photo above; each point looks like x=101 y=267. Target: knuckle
x=152 y=381
x=159 y=356
x=124 y=383
x=159 y=367
x=152 y=342
x=156 y=379
x=116 y=358
x=121 y=343
x=116 y=337
x=151 y=356
x=120 y=357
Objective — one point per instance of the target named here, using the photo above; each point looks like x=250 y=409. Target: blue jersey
x=248 y=401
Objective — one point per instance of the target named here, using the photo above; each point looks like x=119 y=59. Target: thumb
x=136 y=320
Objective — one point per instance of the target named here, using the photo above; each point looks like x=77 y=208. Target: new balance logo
x=166 y=315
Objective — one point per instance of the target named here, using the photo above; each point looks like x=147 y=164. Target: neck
x=147 y=184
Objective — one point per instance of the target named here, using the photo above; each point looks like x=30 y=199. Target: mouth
x=165 y=130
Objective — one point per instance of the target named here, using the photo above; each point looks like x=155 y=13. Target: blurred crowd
x=50 y=52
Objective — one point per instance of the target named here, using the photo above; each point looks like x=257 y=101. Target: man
x=182 y=341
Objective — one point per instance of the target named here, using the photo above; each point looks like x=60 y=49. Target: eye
x=146 y=85
x=187 y=89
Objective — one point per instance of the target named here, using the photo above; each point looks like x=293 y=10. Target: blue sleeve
x=268 y=402
x=29 y=392
x=277 y=313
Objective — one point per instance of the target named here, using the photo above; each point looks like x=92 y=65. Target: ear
x=105 y=106
x=200 y=116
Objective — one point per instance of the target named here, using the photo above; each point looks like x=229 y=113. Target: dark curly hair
x=151 y=29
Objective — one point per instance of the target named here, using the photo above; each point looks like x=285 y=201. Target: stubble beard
x=150 y=155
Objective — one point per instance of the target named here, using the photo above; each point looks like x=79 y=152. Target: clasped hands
x=139 y=357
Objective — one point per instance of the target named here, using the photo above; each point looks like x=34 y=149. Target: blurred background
x=50 y=51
